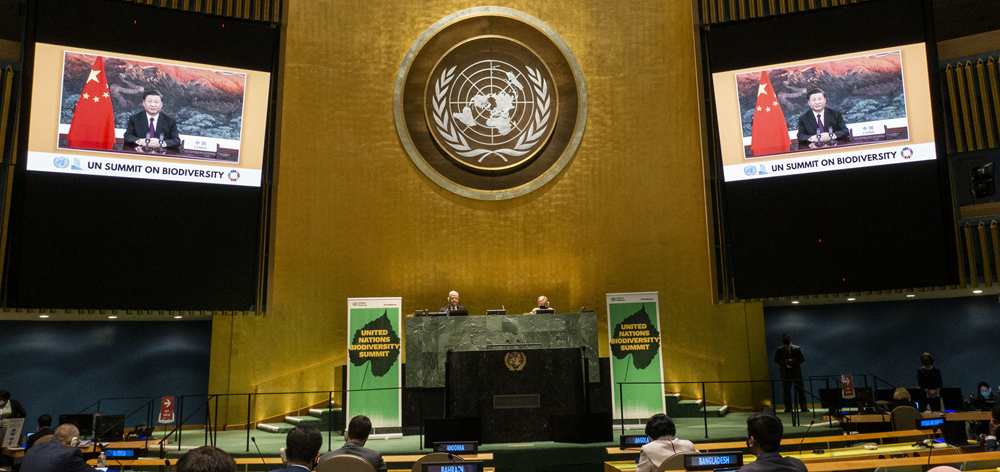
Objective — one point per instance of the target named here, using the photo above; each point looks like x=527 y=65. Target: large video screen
x=828 y=151
x=91 y=113
x=825 y=113
x=144 y=155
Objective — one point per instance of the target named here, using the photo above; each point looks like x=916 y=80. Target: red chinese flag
x=770 y=131
x=93 y=125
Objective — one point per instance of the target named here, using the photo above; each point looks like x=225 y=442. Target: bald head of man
x=66 y=433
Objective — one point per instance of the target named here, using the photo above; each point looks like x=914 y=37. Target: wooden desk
x=886 y=418
x=859 y=464
x=881 y=436
x=90 y=449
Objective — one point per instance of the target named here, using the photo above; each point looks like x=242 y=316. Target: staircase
x=678 y=408
x=318 y=417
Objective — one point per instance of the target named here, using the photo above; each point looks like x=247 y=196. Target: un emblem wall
x=490 y=103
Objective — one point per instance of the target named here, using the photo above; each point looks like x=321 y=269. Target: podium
x=517 y=393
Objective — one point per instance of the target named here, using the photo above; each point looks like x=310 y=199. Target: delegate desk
x=429 y=338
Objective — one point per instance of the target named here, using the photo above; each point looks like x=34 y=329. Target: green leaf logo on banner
x=377 y=344
x=637 y=337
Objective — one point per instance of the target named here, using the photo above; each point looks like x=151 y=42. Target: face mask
x=786 y=341
x=985 y=393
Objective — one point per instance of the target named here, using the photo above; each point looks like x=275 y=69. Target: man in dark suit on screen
x=821 y=126
x=137 y=130
x=356 y=436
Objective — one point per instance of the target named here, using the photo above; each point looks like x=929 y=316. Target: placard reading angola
x=374 y=343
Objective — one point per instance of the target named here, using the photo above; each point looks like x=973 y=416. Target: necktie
x=152 y=129
x=819 y=123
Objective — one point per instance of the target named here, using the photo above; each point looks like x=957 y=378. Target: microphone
x=811 y=423
x=931 y=451
x=161 y=143
x=258 y=449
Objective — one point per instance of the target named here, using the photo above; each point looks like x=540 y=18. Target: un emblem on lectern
x=490 y=103
x=515 y=360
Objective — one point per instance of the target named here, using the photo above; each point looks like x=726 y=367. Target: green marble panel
x=428 y=338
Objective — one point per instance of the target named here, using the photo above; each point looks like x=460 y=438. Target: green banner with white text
x=374 y=352
x=636 y=362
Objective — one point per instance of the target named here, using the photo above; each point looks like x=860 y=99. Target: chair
x=674 y=462
x=904 y=418
x=433 y=457
x=46 y=438
x=345 y=463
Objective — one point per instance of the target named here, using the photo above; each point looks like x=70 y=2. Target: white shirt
x=654 y=453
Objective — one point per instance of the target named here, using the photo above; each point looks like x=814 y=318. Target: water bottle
x=102 y=461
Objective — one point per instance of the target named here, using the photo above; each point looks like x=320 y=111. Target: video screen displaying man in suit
x=821 y=126
x=152 y=118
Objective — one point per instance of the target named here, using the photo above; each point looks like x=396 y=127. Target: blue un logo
x=750 y=170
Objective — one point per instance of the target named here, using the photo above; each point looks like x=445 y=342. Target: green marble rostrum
x=428 y=339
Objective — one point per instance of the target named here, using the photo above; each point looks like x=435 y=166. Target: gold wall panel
x=354 y=217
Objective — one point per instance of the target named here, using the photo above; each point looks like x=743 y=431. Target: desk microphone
x=161 y=143
x=258 y=449
x=931 y=451
x=811 y=423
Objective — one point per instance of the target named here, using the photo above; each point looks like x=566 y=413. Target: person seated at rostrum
x=206 y=459
x=661 y=430
x=543 y=303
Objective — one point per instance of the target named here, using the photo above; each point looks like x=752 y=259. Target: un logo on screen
x=487 y=108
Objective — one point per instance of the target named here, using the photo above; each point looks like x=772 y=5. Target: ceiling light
x=795 y=302
x=43 y=316
x=178 y=317
x=910 y=296
x=977 y=291
x=851 y=299
x=112 y=317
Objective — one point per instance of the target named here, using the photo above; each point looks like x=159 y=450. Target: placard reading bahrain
x=490 y=103
x=870 y=108
x=100 y=113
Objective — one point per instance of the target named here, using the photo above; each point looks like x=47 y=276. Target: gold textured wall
x=355 y=218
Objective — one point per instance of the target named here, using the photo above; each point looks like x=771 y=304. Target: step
x=686 y=409
x=303 y=420
x=280 y=428
x=328 y=417
x=671 y=399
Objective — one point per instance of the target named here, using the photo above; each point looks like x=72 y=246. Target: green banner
x=634 y=335
x=373 y=368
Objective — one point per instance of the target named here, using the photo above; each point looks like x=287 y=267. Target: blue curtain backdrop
x=887 y=338
x=60 y=367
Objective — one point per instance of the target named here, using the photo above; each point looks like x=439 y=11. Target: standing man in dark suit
x=302 y=449
x=58 y=455
x=820 y=124
x=789 y=359
x=139 y=124
x=356 y=436
x=452 y=302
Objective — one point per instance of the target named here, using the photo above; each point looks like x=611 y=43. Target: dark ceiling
x=954 y=18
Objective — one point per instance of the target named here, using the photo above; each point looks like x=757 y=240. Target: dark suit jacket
x=53 y=456
x=36 y=436
x=373 y=457
x=773 y=462
x=446 y=308
x=291 y=468
x=138 y=126
x=794 y=354
x=831 y=117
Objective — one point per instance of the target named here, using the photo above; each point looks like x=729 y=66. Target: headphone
x=74 y=442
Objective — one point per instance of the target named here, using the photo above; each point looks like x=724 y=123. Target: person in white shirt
x=661 y=430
